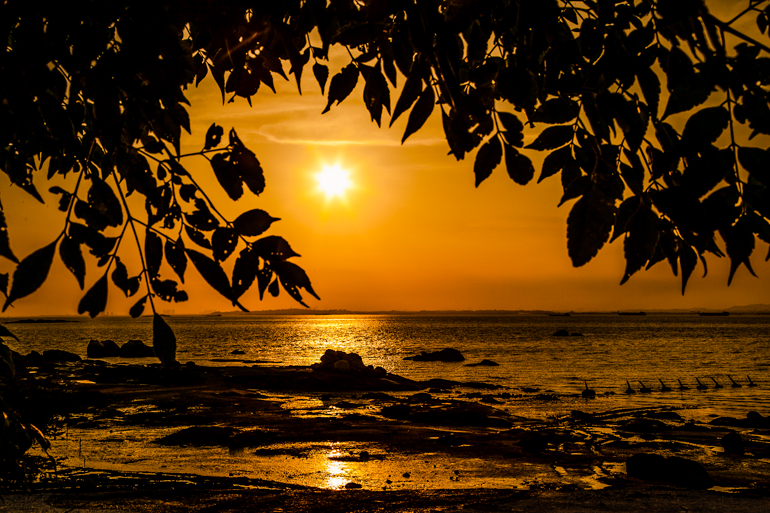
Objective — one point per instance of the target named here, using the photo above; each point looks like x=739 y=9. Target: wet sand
x=143 y=438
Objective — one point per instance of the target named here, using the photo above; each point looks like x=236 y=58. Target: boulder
x=445 y=355
x=102 y=349
x=733 y=443
x=237 y=351
x=561 y=333
x=57 y=355
x=673 y=470
x=136 y=349
x=483 y=363
x=342 y=366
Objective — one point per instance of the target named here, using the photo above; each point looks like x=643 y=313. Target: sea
x=608 y=353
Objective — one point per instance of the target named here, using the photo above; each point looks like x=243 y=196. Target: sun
x=333 y=181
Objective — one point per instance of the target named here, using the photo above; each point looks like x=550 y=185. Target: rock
x=353 y=486
x=561 y=333
x=136 y=349
x=673 y=470
x=342 y=366
x=645 y=426
x=575 y=334
x=57 y=355
x=451 y=440
x=445 y=355
x=102 y=349
x=237 y=351
x=483 y=363
x=733 y=443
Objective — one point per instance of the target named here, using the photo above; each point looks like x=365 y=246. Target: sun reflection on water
x=337 y=471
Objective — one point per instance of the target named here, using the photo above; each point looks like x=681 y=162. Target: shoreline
x=295 y=431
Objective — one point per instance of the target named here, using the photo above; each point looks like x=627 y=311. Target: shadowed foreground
x=295 y=439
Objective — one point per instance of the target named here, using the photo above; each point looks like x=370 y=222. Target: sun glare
x=333 y=181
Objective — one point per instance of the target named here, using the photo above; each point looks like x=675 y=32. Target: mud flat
x=264 y=438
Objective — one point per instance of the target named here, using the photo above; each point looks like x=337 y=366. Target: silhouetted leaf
x=100 y=246
x=293 y=278
x=704 y=127
x=321 y=73
x=739 y=243
x=153 y=252
x=342 y=85
x=626 y=210
x=409 y=95
x=5 y=332
x=641 y=240
x=705 y=172
x=420 y=113
x=274 y=289
x=202 y=218
x=757 y=162
x=273 y=248
x=223 y=242
x=167 y=291
x=514 y=128
x=211 y=272
x=163 y=341
x=688 y=259
x=487 y=159
x=576 y=189
x=376 y=94
x=245 y=271
x=31 y=273
x=246 y=165
x=213 y=136
x=64 y=201
x=633 y=175
x=650 y=85
x=176 y=257
x=253 y=222
x=197 y=237
x=588 y=226
x=519 y=167
x=5 y=243
x=95 y=300
x=120 y=278
x=556 y=111
x=72 y=258
x=552 y=137
x=138 y=308
x=555 y=161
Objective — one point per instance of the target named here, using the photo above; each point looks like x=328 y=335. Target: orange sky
x=412 y=234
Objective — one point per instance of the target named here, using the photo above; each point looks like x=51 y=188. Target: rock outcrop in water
x=346 y=363
x=102 y=349
x=445 y=355
x=136 y=349
x=672 y=470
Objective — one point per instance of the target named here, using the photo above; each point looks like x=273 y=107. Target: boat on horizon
x=713 y=314
x=556 y=314
x=632 y=313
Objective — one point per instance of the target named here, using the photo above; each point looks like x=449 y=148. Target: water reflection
x=336 y=471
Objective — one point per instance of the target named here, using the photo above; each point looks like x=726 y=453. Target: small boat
x=682 y=386
x=629 y=390
x=588 y=393
x=555 y=314
x=663 y=387
x=716 y=383
x=713 y=314
x=751 y=383
x=734 y=385
x=700 y=386
x=644 y=389
x=632 y=313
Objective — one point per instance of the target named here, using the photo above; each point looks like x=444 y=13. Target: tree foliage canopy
x=649 y=119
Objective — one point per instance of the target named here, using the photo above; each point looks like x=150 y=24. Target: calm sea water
x=613 y=349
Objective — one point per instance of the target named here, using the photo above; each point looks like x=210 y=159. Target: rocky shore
x=347 y=437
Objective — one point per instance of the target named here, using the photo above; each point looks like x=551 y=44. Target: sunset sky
x=411 y=233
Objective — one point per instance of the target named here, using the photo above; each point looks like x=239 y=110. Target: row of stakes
x=588 y=393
